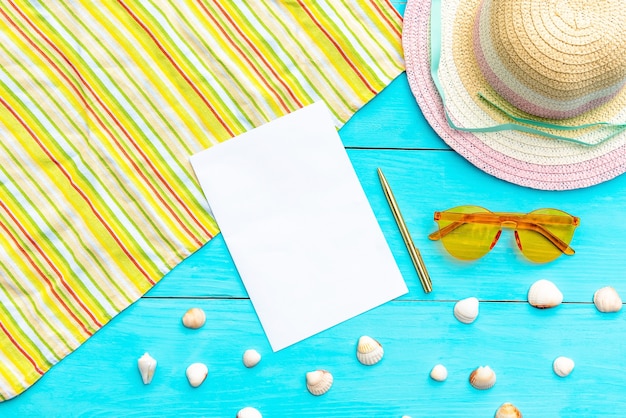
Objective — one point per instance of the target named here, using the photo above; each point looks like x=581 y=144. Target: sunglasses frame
x=524 y=221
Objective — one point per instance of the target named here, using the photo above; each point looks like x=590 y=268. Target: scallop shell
x=249 y=412
x=544 y=294
x=508 y=410
x=251 y=358
x=607 y=299
x=318 y=382
x=482 y=378
x=563 y=366
x=194 y=318
x=369 y=351
x=196 y=373
x=147 y=366
x=439 y=373
x=466 y=310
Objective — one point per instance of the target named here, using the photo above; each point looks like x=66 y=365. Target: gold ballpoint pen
x=416 y=257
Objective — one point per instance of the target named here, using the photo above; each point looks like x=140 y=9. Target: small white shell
x=249 y=412
x=607 y=299
x=369 y=351
x=194 y=318
x=318 y=382
x=251 y=358
x=147 y=366
x=508 y=410
x=563 y=366
x=544 y=294
x=482 y=378
x=439 y=373
x=466 y=310
x=196 y=373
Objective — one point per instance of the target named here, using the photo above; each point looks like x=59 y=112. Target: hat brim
x=512 y=155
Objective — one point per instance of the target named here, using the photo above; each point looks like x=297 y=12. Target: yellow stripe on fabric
x=101 y=104
x=128 y=132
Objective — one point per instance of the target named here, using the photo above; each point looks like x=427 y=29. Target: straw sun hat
x=530 y=91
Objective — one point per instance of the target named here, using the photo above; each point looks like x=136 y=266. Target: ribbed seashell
x=318 y=382
x=194 y=318
x=563 y=366
x=508 y=410
x=147 y=366
x=439 y=373
x=196 y=373
x=249 y=412
x=369 y=351
x=482 y=378
x=607 y=299
x=544 y=294
x=251 y=358
x=466 y=310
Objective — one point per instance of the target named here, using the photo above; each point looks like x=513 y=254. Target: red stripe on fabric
x=77 y=189
x=112 y=136
x=50 y=264
x=21 y=350
x=330 y=38
x=45 y=278
x=384 y=16
x=256 y=51
x=177 y=67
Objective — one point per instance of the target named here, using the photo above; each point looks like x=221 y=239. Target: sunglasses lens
x=538 y=248
x=468 y=241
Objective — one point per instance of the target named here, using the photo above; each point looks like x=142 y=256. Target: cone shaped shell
x=369 y=351
x=466 y=310
x=318 y=382
x=482 y=378
x=251 y=358
x=194 y=318
x=607 y=299
x=508 y=410
x=563 y=366
x=544 y=294
x=147 y=366
x=196 y=373
x=249 y=412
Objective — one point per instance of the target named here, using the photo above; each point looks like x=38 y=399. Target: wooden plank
x=517 y=341
x=425 y=181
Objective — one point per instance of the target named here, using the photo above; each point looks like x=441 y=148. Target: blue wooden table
x=418 y=330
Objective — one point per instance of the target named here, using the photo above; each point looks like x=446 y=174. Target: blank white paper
x=298 y=225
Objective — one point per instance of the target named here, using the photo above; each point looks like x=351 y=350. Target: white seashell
x=482 y=378
x=544 y=294
x=318 y=382
x=194 y=318
x=508 y=410
x=251 y=358
x=147 y=366
x=563 y=366
x=196 y=373
x=439 y=373
x=249 y=412
x=466 y=310
x=369 y=351
x=607 y=299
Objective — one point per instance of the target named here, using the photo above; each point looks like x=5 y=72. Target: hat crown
x=554 y=59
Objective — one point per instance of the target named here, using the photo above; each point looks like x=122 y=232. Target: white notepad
x=298 y=225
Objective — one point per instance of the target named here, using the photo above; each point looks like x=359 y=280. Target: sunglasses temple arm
x=556 y=241
x=437 y=235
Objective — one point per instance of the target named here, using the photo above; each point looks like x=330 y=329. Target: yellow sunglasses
x=470 y=232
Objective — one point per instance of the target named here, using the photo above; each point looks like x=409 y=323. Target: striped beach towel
x=101 y=105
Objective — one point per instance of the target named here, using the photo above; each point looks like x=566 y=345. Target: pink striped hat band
x=530 y=91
